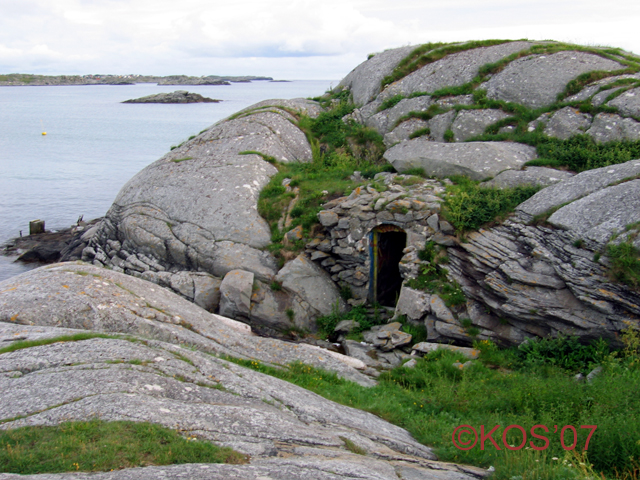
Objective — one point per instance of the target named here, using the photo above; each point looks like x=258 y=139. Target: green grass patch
x=339 y=149
x=420 y=132
x=48 y=341
x=327 y=324
x=266 y=158
x=581 y=152
x=391 y=102
x=625 y=264
x=469 y=206
x=103 y=446
x=178 y=160
x=506 y=387
x=432 y=277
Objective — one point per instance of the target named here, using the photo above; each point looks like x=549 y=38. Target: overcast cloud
x=294 y=39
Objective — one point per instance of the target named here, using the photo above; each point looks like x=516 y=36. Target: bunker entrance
x=387 y=243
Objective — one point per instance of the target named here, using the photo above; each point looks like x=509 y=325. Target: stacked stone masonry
x=408 y=202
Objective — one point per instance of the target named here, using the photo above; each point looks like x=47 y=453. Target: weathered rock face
x=288 y=431
x=195 y=209
x=532 y=80
x=536 y=80
x=477 y=160
x=83 y=296
x=452 y=70
x=364 y=80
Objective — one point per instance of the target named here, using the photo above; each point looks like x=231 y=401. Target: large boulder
x=235 y=293
x=364 y=80
x=536 y=80
x=312 y=285
x=195 y=209
x=477 y=160
x=628 y=103
x=576 y=187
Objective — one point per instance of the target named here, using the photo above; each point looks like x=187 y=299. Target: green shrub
x=469 y=206
x=391 y=102
x=625 y=264
x=564 y=352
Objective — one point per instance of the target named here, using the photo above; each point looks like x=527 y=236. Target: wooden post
x=36 y=227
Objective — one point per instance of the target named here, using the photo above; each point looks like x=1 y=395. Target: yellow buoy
x=44 y=133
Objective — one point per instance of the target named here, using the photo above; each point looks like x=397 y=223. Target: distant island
x=23 y=79
x=179 y=96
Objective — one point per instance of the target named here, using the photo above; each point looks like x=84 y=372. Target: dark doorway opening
x=387 y=243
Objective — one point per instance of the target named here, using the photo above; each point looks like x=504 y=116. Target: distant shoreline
x=31 y=80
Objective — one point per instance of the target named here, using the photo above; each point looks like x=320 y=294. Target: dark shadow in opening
x=388 y=255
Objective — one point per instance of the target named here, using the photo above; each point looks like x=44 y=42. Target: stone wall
x=408 y=202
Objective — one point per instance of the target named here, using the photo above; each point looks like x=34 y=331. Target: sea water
x=94 y=144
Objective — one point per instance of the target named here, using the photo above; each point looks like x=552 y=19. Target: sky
x=283 y=39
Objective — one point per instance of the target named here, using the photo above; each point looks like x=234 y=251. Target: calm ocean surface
x=95 y=144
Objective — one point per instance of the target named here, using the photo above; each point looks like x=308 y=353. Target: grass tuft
x=103 y=446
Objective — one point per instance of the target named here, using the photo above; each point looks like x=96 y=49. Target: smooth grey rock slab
x=593 y=88
x=541 y=176
x=215 y=197
x=364 y=80
x=607 y=127
x=302 y=105
x=601 y=214
x=341 y=466
x=478 y=160
x=235 y=294
x=567 y=122
x=471 y=123
x=453 y=70
x=288 y=431
x=601 y=97
x=536 y=80
x=312 y=284
x=82 y=296
x=270 y=132
x=628 y=103
x=404 y=131
x=576 y=187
